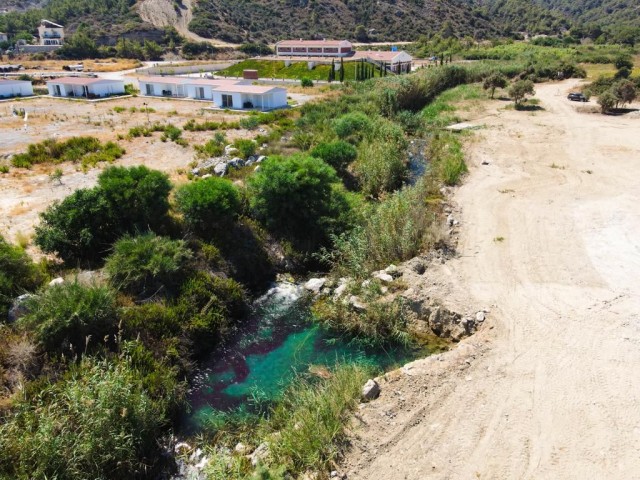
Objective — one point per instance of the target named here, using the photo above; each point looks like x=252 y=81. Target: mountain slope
x=270 y=20
x=603 y=12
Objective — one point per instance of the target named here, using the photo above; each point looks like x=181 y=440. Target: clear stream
x=278 y=342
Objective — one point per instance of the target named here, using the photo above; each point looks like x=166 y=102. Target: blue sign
x=394 y=49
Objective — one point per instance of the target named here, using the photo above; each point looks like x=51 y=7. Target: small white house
x=397 y=62
x=15 y=88
x=83 y=87
x=50 y=33
x=250 y=97
x=183 y=87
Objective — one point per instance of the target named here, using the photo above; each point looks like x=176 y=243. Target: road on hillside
x=550 y=244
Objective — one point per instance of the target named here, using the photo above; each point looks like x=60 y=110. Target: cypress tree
x=341 y=70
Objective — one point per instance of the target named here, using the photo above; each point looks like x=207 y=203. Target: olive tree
x=520 y=89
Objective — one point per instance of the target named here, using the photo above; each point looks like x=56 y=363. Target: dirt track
x=549 y=388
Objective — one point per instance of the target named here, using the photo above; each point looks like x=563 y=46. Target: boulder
x=230 y=150
x=19 y=307
x=56 y=281
x=357 y=304
x=480 y=317
x=208 y=175
x=261 y=159
x=315 y=285
x=241 y=448
x=236 y=162
x=371 y=390
x=393 y=271
x=221 y=169
x=338 y=292
x=383 y=277
x=259 y=454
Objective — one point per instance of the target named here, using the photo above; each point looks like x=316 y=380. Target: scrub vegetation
x=101 y=362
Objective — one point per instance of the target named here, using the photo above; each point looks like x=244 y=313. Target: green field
x=297 y=70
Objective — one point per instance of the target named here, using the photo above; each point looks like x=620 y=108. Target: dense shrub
x=84 y=225
x=67 y=315
x=338 y=154
x=73 y=150
x=98 y=422
x=209 y=308
x=18 y=274
x=245 y=147
x=353 y=126
x=447 y=157
x=209 y=204
x=79 y=228
x=213 y=148
x=138 y=196
x=148 y=264
x=297 y=197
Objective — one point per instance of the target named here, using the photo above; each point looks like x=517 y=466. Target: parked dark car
x=577 y=97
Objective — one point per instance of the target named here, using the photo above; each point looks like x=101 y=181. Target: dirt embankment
x=162 y=13
x=550 y=244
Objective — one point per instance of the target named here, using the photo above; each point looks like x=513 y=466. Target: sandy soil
x=548 y=388
x=25 y=193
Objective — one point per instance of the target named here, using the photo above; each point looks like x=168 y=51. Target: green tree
x=361 y=34
x=625 y=92
x=209 y=204
x=148 y=264
x=299 y=198
x=623 y=61
x=607 y=101
x=65 y=316
x=520 y=89
x=79 y=46
x=152 y=51
x=493 y=81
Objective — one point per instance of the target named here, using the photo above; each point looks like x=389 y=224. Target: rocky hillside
x=603 y=12
x=20 y=5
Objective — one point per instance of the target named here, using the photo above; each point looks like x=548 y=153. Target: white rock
x=480 y=317
x=366 y=284
x=221 y=168
x=181 y=446
x=208 y=175
x=315 y=285
x=261 y=159
x=338 y=292
x=371 y=390
x=56 y=281
x=392 y=270
x=383 y=277
x=241 y=448
x=356 y=303
x=259 y=454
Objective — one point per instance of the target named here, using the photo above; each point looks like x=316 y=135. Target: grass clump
x=447 y=157
x=18 y=274
x=63 y=317
x=89 y=150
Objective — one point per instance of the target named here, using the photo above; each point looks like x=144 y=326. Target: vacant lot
x=25 y=193
x=550 y=244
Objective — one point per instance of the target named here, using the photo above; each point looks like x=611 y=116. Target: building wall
x=217 y=99
x=20 y=90
x=51 y=36
x=107 y=89
x=194 y=92
x=158 y=88
x=77 y=90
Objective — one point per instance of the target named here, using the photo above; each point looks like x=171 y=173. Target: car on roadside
x=577 y=97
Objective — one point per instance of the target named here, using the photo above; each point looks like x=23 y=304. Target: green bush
x=72 y=150
x=245 y=147
x=138 y=196
x=65 y=316
x=209 y=204
x=80 y=228
x=354 y=125
x=98 y=422
x=306 y=82
x=298 y=197
x=148 y=264
x=445 y=152
x=84 y=225
x=213 y=148
x=338 y=154
x=18 y=274
x=209 y=308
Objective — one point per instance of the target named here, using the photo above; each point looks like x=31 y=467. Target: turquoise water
x=279 y=342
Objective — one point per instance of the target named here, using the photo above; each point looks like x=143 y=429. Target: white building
x=15 y=88
x=397 y=62
x=250 y=97
x=224 y=93
x=183 y=87
x=50 y=33
x=82 y=87
x=314 y=48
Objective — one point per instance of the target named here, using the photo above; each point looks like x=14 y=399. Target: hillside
x=603 y=12
x=269 y=20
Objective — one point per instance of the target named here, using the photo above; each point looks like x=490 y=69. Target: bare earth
x=549 y=388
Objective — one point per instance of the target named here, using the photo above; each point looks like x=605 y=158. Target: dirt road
x=550 y=244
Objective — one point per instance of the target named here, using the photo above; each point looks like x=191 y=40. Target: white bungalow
x=314 y=48
x=250 y=97
x=15 y=88
x=182 y=87
x=50 y=33
x=84 y=87
x=397 y=62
